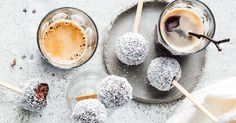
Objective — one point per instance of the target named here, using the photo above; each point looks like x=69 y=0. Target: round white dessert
x=162 y=71
x=89 y=111
x=114 y=91
x=131 y=48
x=32 y=101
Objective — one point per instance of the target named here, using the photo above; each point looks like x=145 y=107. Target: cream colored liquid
x=189 y=22
x=64 y=42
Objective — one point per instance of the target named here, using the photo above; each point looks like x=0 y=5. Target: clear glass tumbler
x=85 y=83
x=203 y=12
x=83 y=20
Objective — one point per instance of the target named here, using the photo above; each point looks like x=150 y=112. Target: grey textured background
x=18 y=39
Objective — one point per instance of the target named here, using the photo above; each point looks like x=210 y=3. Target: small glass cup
x=80 y=18
x=85 y=83
x=206 y=17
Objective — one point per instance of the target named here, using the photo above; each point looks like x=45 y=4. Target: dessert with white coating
x=114 y=91
x=89 y=111
x=131 y=48
x=162 y=71
x=34 y=96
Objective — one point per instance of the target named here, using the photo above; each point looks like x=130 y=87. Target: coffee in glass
x=181 y=17
x=67 y=37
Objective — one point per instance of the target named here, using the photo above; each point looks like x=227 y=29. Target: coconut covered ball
x=162 y=71
x=114 y=91
x=89 y=111
x=131 y=48
x=34 y=97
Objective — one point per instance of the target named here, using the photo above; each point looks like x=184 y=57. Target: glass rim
x=40 y=25
x=213 y=33
x=74 y=78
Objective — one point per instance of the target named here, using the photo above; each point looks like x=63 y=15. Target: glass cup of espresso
x=181 y=17
x=67 y=37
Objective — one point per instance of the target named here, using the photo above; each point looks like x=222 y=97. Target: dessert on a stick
x=33 y=95
x=112 y=92
x=132 y=48
x=163 y=74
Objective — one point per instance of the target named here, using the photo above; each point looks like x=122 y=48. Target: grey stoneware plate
x=191 y=65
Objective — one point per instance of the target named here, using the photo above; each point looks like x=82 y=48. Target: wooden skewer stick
x=138 y=15
x=195 y=101
x=91 y=96
x=9 y=86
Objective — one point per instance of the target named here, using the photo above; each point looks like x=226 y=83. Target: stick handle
x=138 y=15
x=9 y=86
x=91 y=96
x=196 y=102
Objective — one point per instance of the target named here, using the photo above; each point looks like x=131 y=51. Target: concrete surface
x=18 y=41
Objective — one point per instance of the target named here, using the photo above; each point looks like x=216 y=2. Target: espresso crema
x=63 y=42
